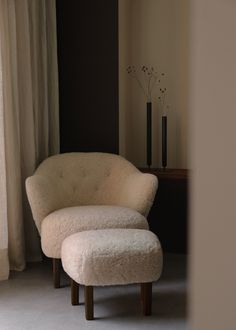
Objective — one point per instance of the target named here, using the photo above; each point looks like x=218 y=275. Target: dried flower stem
x=140 y=84
x=150 y=77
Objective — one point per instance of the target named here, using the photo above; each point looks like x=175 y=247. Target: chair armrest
x=43 y=197
x=138 y=192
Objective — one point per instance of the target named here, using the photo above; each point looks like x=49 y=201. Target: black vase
x=164 y=141
x=149 y=134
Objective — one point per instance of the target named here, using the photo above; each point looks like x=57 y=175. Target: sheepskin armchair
x=73 y=192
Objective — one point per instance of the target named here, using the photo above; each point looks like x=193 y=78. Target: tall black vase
x=164 y=141
x=149 y=134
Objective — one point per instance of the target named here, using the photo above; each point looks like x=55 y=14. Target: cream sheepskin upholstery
x=112 y=257
x=62 y=223
x=63 y=183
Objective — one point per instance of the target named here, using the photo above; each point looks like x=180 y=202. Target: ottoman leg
x=146 y=297
x=74 y=293
x=88 y=297
x=142 y=285
x=56 y=272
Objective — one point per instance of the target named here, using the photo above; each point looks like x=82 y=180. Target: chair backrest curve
x=73 y=179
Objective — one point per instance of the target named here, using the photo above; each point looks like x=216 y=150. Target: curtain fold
x=29 y=119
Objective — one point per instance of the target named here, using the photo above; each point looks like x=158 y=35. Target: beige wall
x=213 y=159
x=155 y=33
x=162 y=27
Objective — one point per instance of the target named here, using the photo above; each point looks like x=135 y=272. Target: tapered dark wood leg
x=142 y=292
x=56 y=263
x=74 y=293
x=146 y=297
x=88 y=298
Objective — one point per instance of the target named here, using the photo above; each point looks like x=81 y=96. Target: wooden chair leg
x=88 y=298
x=56 y=263
x=146 y=297
x=142 y=292
x=74 y=293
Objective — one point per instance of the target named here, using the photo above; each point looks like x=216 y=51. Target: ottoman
x=112 y=257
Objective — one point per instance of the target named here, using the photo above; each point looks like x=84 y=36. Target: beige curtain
x=29 y=129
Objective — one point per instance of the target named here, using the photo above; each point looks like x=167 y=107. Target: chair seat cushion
x=64 y=222
x=112 y=257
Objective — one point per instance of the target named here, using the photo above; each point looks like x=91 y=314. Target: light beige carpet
x=28 y=301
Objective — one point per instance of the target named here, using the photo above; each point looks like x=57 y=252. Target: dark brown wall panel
x=88 y=74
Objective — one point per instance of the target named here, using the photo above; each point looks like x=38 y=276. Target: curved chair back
x=74 y=179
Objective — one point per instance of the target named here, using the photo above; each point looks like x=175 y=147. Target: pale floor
x=28 y=301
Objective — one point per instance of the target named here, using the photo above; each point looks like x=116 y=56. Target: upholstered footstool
x=112 y=257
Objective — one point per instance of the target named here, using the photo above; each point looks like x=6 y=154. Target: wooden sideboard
x=168 y=218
